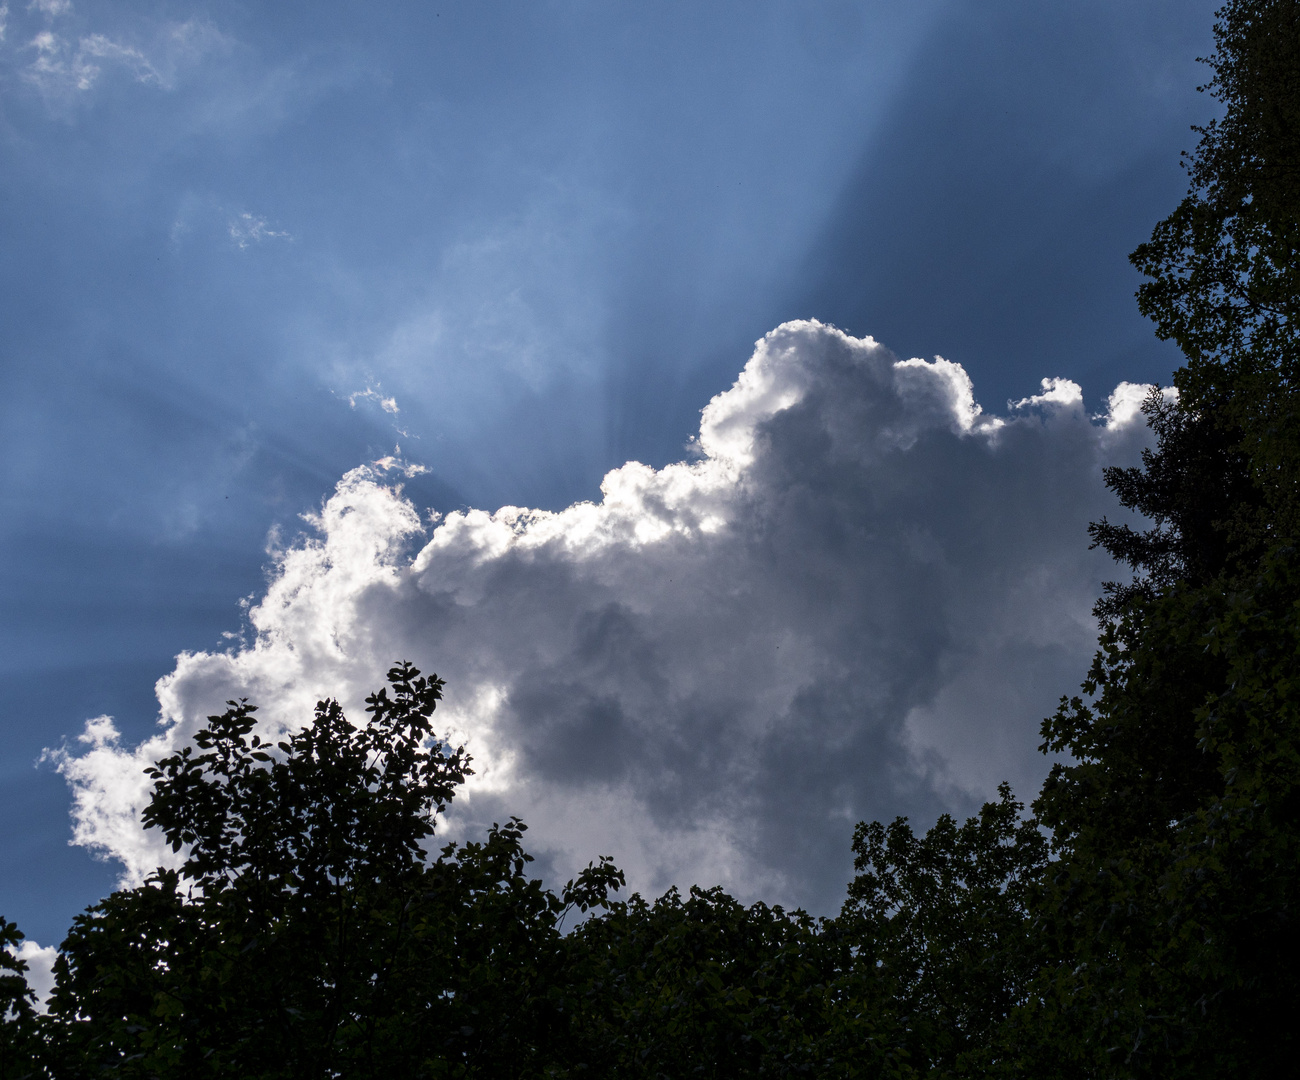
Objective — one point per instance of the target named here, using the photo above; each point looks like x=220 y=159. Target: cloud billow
x=857 y=598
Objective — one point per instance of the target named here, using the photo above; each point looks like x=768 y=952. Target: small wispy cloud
x=209 y=218
x=61 y=67
x=52 y=8
x=59 y=56
x=247 y=228
x=395 y=463
x=99 y=47
x=370 y=393
x=373 y=395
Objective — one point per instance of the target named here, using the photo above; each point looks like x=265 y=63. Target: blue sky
x=247 y=248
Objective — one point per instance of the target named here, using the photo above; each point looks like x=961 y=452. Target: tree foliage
x=1170 y=907
x=309 y=932
x=1222 y=268
x=944 y=921
x=21 y=1035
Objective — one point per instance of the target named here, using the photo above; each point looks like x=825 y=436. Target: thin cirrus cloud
x=857 y=597
x=247 y=228
x=63 y=56
x=60 y=66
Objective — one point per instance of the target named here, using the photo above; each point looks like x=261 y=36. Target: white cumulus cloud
x=858 y=599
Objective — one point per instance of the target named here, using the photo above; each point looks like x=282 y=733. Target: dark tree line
x=1143 y=920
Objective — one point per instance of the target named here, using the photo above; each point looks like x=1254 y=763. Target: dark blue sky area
x=549 y=232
